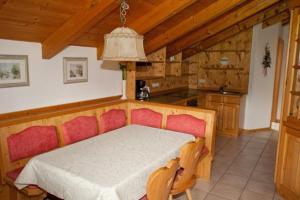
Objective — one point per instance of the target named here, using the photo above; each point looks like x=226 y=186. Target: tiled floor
x=243 y=169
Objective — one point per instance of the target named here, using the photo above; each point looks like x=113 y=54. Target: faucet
x=222 y=88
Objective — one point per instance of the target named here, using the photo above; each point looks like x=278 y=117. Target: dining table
x=110 y=166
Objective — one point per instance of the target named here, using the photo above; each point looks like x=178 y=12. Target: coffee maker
x=142 y=91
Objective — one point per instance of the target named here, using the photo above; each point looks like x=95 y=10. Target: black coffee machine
x=142 y=91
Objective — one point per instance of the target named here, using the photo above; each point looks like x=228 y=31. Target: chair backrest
x=111 y=120
x=160 y=182
x=186 y=124
x=146 y=117
x=31 y=141
x=189 y=157
x=79 y=128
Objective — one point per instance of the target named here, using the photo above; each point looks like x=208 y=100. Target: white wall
x=46 y=79
x=258 y=102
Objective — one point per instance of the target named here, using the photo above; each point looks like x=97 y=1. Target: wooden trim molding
x=280 y=47
x=255 y=130
x=50 y=111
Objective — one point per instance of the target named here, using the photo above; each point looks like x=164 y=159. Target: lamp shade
x=124 y=44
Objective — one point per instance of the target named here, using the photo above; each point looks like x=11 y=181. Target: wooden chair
x=160 y=182
x=111 y=120
x=190 y=154
x=78 y=129
x=146 y=117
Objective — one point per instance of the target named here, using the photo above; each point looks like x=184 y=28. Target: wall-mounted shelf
x=296 y=93
x=297 y=67
x=170 y=75
x=189 y=74
x=227 y=68
x=226 y=50
x=149 y=77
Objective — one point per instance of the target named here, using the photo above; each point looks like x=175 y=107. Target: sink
x=230 y=93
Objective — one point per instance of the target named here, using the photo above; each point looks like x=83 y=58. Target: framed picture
x=13 y=71
x=75 y=70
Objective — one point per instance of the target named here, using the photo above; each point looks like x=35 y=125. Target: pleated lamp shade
x=124 y=44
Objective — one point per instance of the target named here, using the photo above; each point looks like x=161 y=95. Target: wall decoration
x=267 y=60
x=13 y=71
x=75 y=70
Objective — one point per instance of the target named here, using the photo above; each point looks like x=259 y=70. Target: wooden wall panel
x=235 y=76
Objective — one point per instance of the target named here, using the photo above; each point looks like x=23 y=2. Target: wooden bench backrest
x=63 y=116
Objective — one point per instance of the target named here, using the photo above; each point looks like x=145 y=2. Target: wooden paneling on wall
x=234 y=76
x=168 y=83
x=168 y=74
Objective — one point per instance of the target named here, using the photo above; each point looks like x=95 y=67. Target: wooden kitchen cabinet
x=228 y=112
x=287 y=175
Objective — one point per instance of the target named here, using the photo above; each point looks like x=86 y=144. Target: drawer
x=232 y=99
x=214 y=98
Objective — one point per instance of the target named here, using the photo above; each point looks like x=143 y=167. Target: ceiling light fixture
x=123 y=43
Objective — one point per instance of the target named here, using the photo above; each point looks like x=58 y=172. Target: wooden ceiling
x=181 y=25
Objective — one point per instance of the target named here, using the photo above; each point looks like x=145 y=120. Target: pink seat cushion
x=144 y=198
x=13 y=175
x=146 y=117
x=111 y=120
x=186 y=124
x=32 y=141
x=79 y=128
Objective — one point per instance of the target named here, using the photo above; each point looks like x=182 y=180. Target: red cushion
x=79 y=128
x=32 y=141
x=144 y=198
x=146 y=117
x=13 y=175
x=186 y=124
x=204 y=151
x=111 y=120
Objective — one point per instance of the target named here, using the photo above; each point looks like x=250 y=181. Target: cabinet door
x=288 y=153
x=289 y=180
x=218 y=107
x=230 y=115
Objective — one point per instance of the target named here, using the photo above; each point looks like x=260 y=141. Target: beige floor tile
x=239 y=171
x=233 y=180
x=261 y=188
x=249 y=195
x=205 y=185
x=198 y=194
x=227 y=191
x=263 y=176
x=228 y=159
x=265 y=168
x=214 y=197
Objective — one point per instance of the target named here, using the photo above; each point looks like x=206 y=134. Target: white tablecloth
x=112 y=166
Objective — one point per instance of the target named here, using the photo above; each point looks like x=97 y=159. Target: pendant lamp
x=123 y=43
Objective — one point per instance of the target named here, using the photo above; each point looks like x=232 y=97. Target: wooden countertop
x=183 y=95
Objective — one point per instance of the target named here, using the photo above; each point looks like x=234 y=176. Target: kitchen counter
x=181 y=96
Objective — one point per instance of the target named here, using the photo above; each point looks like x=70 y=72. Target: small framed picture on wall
x=13 y=71
x=75 y=70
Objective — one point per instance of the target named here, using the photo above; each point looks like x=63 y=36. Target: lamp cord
x=123 y=11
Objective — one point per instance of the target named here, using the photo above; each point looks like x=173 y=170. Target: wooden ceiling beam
x=76 y=25
x=219 y=25
x=149 y=20
x=203 y=16
x=276 y=19
x=276 y=13
x=293 y=3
